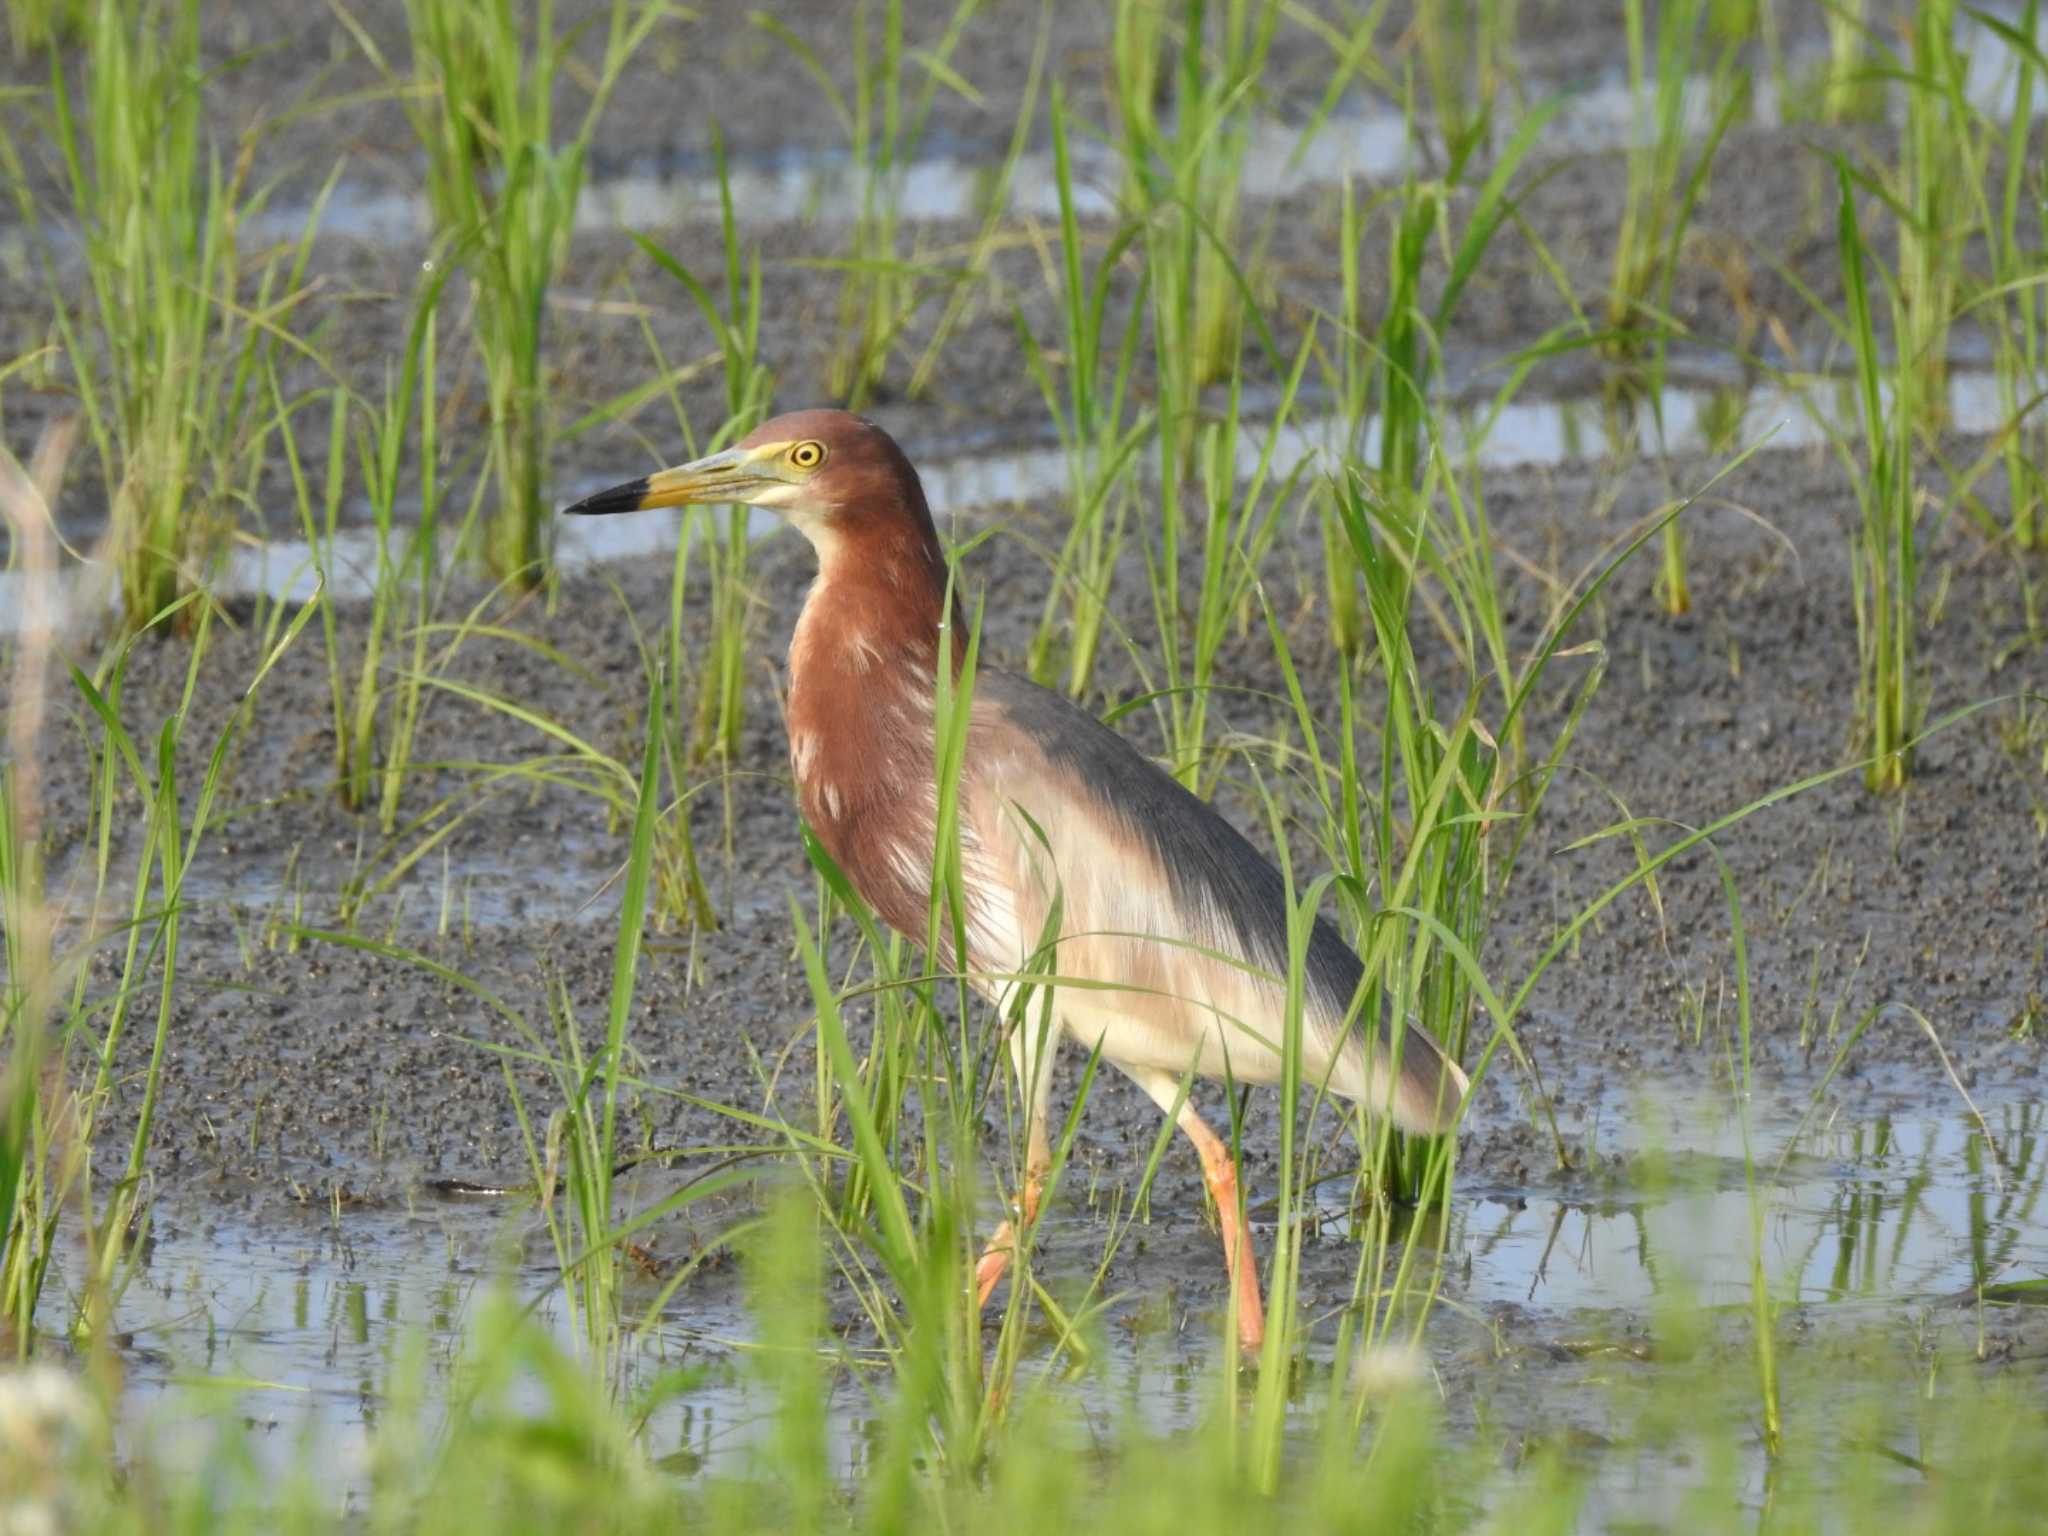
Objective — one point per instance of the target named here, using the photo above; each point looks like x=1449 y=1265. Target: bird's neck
x=880 y=605
x=862 y=671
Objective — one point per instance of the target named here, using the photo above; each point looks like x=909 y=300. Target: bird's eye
x=807 y=455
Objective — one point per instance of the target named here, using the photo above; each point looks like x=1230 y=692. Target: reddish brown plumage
x=863 y=659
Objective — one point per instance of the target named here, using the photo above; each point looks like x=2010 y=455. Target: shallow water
x=300 y=1323
x=1521 y=434
x=1911 y=1207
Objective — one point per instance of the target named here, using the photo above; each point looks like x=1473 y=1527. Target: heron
x=1172 y=928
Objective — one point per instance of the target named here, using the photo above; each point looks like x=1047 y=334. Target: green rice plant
x=1182 y=175
x=1228 y=527
x=37 y=24
x=1381 y=376
x=714 y=731
x=884 y=287
x=1468 y=59
x=376 y=721
x=1101 y=428
x=583 y=1144
x=1656 y=210
x=61 y=1088
x=578 y=1154
x=175 y=822
x=503 y=188
x=568 y=761
x=1943 y=162
x=1426 y=838
x=2015 y=308
x=165 y=347
x=1891 y=689
x=1846 y=87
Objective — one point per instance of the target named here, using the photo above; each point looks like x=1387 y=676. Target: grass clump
x=37 y=24
x=883 y=287
x=1382 y=375
x=1885 y=557
x=1102 y=427
x=503 y=187
x=166 y=344
x=376 y=719
x=2012 y=301
x=1183 y=168
x=714 y=730
x=1660 y=199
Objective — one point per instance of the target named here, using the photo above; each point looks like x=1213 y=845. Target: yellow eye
x=807 y=455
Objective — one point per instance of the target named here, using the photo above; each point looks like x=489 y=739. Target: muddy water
x=301 y=1324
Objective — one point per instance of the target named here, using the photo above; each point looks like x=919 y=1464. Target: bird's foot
x=994 y=1260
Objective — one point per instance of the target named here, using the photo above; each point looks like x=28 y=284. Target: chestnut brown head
x=837 y=478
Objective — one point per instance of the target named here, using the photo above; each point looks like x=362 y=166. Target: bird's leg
x=1220 y=1174
x=1034 y=1074
x=995 y=1258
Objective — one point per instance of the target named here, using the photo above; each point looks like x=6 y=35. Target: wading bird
x=1172 y=937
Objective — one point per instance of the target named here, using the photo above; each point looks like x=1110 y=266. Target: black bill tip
x=620 y=498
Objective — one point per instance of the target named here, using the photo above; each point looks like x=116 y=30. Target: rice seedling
x=582 y=1147
x=1228 y=526
x=61 y=1081
x=578 y=1155
x=375 y=722
x=1656 y=211
x=503 y=188
x=1942 y=169
x=2015 y=309
x=175 y=821
x=1891 y=690
x=36 y=24
x=1381 y=376
x=1101 y=427
x=884 y=287
x=165 y=347
x=1468 y=59
x=714 y=730
x=1182 y=175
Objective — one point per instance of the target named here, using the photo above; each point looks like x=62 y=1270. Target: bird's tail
x=1428 y=1088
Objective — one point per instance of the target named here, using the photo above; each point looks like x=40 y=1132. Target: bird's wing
x=1172 y=933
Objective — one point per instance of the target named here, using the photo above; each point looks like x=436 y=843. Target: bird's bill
x=737 y=474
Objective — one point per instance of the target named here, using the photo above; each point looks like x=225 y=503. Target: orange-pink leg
x=1031 y=1054
x=1220 y=1173
x=995 y=1258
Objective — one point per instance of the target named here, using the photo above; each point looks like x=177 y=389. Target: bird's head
x=837 y=478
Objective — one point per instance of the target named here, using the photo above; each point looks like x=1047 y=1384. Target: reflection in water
x=303 y=1321
x=1903 y=1207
